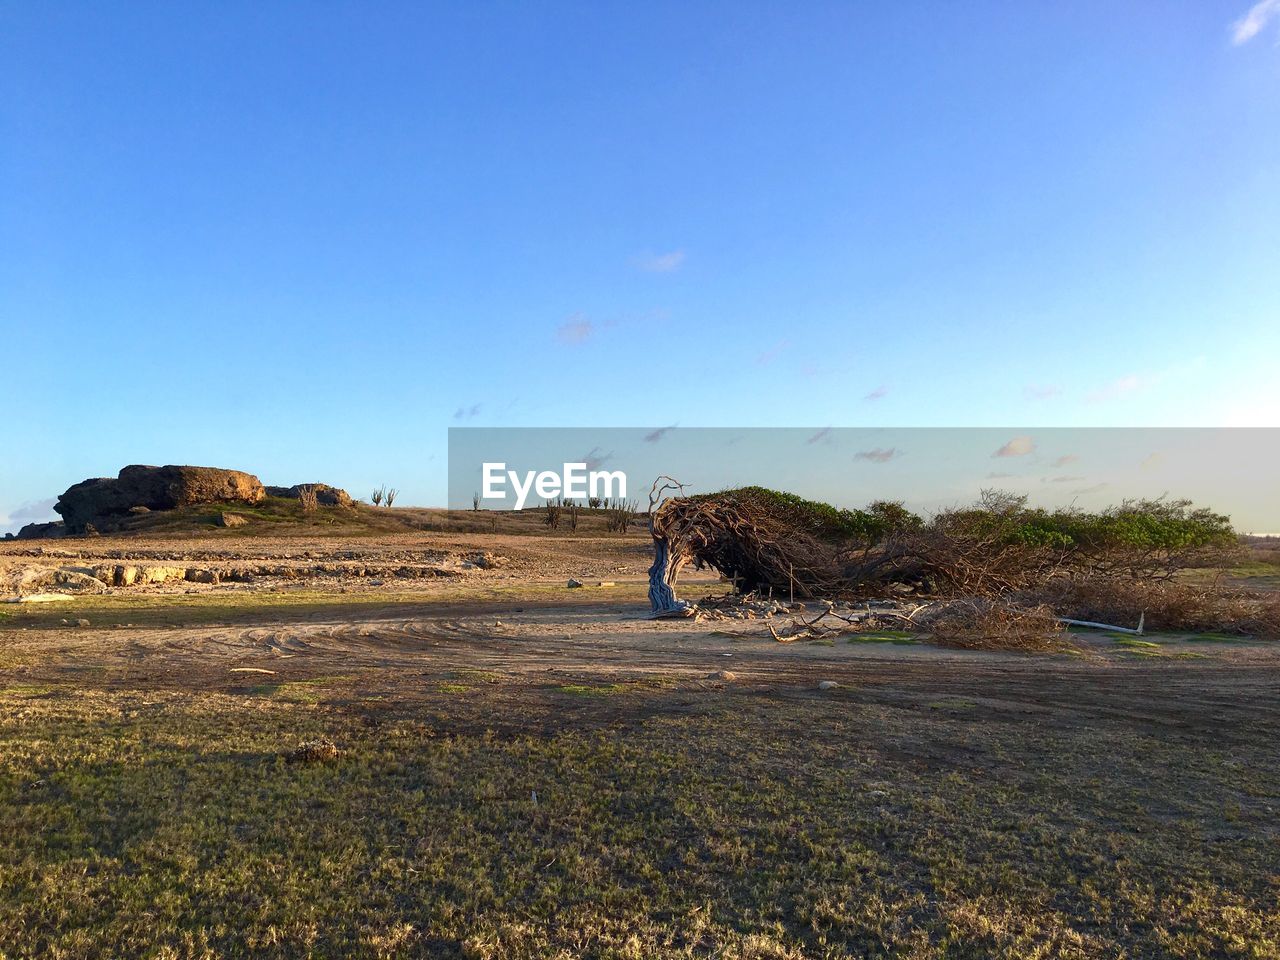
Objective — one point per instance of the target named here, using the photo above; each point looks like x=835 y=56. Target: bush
x=1000 y=544
x=978 y=624
x=1165 y=605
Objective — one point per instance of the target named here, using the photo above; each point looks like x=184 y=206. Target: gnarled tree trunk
x=662 y=579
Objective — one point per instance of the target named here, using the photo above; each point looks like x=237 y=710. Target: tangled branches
x=776 y=543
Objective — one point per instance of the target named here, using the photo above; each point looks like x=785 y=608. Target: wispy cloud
x=596 y=458
x=656 y=435
x=1001 y=476
x=1121 y=387
x=577 y=329
x=1041 y=391
x=822 y=434
x=1061 y=479
x=1017 y=447
x=1255 y=21
x=878 y=454
x=1065 y=459
x=466 y=413
x=1096 y=488
x=34 y=510
x=660 y=262
x=879 y=393
x=1152 y=461
x=772 y=354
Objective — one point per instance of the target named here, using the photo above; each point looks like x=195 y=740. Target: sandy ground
x=519 y=628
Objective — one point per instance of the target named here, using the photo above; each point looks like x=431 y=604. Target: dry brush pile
x=998 y=568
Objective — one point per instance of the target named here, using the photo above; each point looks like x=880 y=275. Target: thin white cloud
x=577 y=329
x=1255 y=21
x=1061 y=479
x=1096 y=488
x=1065 y=459
x=1041 y=391
x=1121 y=387
x=772 y=354
x=35 y=510
x=660 y=262
x=994 y=475
x=879 y=393
x=1017 y=447
x=30 y=512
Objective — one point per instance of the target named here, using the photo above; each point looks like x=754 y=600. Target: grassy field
x=771 y=825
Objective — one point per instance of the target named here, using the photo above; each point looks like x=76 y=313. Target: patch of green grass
x=1214 y=637
x=898 y=637
x=952 y=703
x=448 y=687
x=26 y=690
x=599 y=690
x=260 y=606
x=1124 y=640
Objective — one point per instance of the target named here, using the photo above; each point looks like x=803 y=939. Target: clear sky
x=305 y=239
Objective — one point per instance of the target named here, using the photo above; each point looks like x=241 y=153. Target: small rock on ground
x=828 y=685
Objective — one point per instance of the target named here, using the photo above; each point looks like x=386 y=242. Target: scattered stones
x=573 y=584
x=488 y=561
x=725 y=675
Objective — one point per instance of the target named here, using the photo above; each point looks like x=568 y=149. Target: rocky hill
x=143 y=495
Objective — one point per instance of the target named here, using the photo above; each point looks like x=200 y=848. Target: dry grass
x=170 y=825
x=979 y=624
x=1166 y=606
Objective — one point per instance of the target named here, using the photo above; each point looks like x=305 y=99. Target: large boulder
x=97 y=501
x=42 y=531
x=325 y=494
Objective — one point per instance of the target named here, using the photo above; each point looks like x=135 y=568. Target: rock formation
x=325 y=495
x=104 y=501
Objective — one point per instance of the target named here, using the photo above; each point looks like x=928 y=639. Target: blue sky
x=304 y=240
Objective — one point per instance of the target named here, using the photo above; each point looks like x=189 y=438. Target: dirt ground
x=524 y=629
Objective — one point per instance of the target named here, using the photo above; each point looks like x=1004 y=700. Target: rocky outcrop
x=325 y=495
x=102 y=502
x=42 y=531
